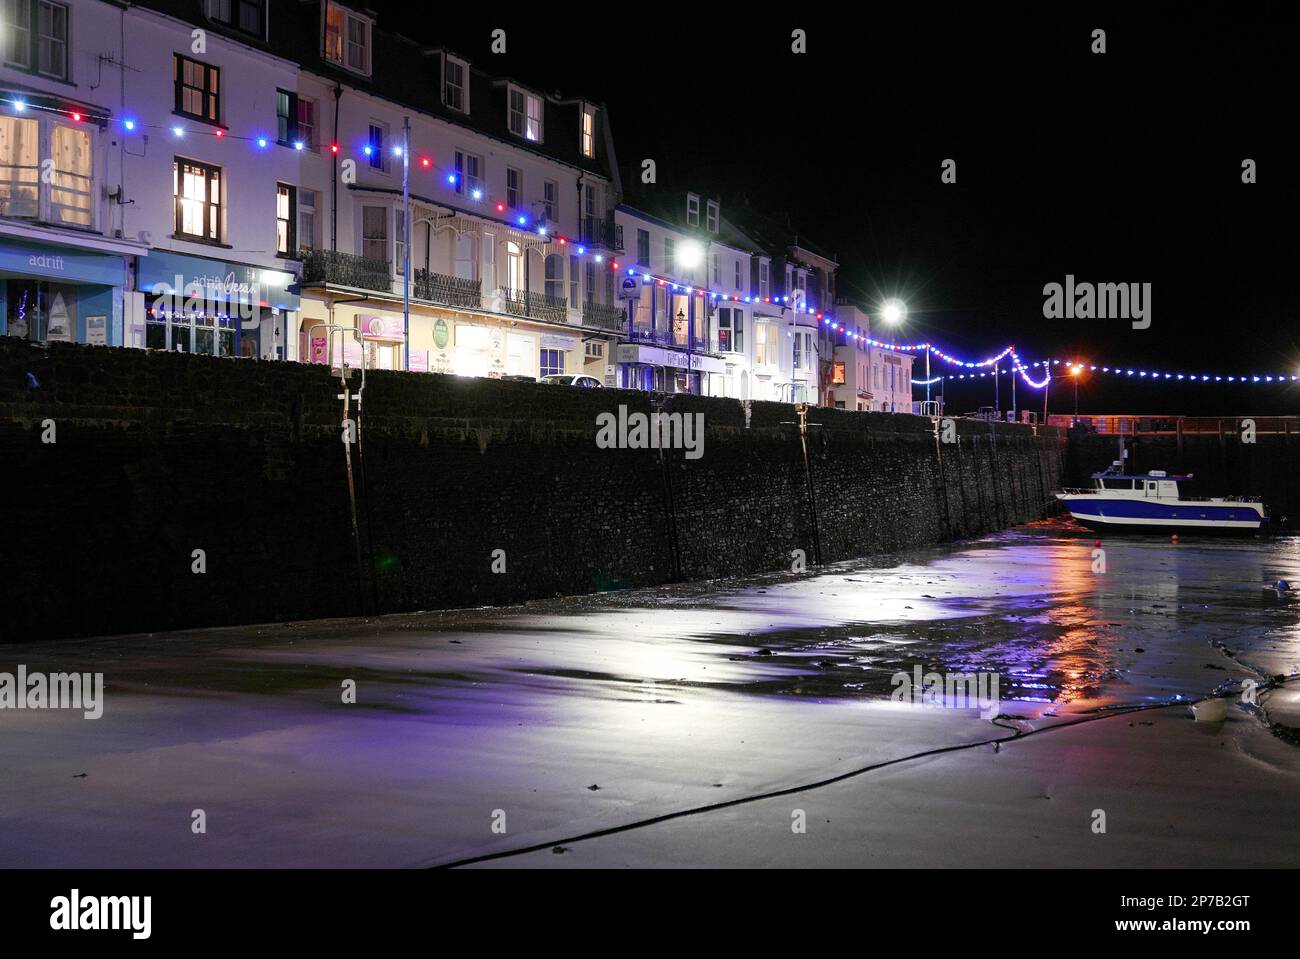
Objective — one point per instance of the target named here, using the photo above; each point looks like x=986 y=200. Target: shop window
x=551 y=362
x=198 y=89
x=286 y=220
x=198 y=197
x=40 y=311
x=211 y=334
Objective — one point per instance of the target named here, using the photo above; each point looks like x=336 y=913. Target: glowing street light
x=689 y=255
x=893 y=312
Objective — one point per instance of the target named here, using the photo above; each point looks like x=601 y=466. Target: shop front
x=52 y=293
x=661 y=370
x=197 y=305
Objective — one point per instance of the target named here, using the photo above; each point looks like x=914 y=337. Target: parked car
x=519 y=378
x=573 y=379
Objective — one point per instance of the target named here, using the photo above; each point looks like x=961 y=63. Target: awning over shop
x=658 y=356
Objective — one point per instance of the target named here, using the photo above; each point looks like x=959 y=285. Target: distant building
x=866 y=377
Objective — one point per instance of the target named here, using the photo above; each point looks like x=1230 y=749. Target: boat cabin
x=1156 y=484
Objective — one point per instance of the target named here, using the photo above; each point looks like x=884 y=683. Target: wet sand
x=483 y=731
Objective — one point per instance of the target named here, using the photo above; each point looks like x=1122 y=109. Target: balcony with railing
x=535 y=306
x=602 y=231
x=345 y=269
x=447 y=290
x=604 y=316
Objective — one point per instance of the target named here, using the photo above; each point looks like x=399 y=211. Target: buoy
x=1210 y=710
x=1174 y=539
x=1281 y=584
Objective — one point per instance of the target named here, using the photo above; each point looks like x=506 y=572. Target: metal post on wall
x=406 y=243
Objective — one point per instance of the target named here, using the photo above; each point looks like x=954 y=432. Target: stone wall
x=157 y=455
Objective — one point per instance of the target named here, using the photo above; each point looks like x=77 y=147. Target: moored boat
x=1126 y=502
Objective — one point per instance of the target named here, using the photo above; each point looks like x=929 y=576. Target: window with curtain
x=19 y=167
x=74 y=176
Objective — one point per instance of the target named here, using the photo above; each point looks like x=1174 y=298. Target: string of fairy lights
x=469 y=187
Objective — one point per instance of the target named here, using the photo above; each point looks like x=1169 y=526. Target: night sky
x=1122 y=167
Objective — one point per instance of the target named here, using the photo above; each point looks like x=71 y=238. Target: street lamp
x=893 y=312
x=1075 y=371
x=689 y=255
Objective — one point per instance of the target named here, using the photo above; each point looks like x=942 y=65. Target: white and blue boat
x=1126 y=502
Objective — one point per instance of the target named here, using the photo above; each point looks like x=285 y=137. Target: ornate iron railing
x=603 y=316
x=537 y=306
x=346 y=269
x=602 y=231
x=447 y=290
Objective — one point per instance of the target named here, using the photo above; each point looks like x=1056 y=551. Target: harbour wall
x=157 y=491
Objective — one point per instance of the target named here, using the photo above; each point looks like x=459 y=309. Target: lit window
x=525 y=115
x=588 y=131
x=347 y=39
x=286 y=203
x=198 y=196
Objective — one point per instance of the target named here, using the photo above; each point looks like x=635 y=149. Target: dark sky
x=1122 y=167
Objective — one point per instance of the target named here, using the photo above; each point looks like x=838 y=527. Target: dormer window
x=347 y=38
x=712 y=216
x=692 y=209
x=588 y=132
x=246 y=16
x=525 y=114
x=455 y=85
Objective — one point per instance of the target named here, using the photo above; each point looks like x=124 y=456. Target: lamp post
x=406 y=243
